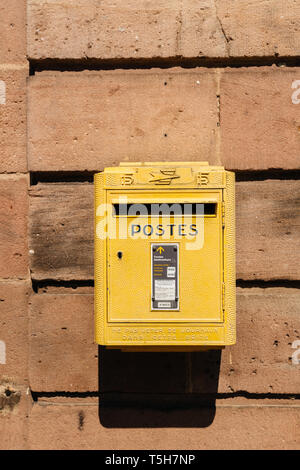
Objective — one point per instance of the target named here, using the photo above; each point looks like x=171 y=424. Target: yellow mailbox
x=165 y=256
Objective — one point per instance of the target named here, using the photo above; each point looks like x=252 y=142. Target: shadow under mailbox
x=157 y=389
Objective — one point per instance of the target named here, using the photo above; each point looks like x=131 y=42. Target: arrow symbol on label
x=160 y=249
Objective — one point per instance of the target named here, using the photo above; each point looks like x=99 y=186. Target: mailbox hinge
x=223 y=214
x=223 y=296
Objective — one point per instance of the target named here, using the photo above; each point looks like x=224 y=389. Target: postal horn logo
x=164 y=177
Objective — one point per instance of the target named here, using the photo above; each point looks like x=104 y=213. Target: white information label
x=165 y=290
x=165 y=276
x=171 y=270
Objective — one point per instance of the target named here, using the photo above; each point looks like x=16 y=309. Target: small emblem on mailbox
x=164 y=177
x=127 y=180
x=202 y=179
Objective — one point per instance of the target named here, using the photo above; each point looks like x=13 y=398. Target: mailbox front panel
x=130 y=276
x=164 y=256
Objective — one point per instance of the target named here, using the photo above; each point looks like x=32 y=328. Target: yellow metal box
x=165 y=256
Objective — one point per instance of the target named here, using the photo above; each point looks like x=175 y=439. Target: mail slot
x=164 y=256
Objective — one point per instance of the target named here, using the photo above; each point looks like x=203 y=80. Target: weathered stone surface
x=15 y=405
x=13 y=226
x=64 y=358
x=13 y=32
x=267 y=228
x=69 y=211
x=77 y=426
x=141 y=29
x=263 y=360
x=87 y=121
x=13 y=118
x=257 y=29
x=260 y=118
x=95 y=119
x=14 y=331
x=106 y=29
